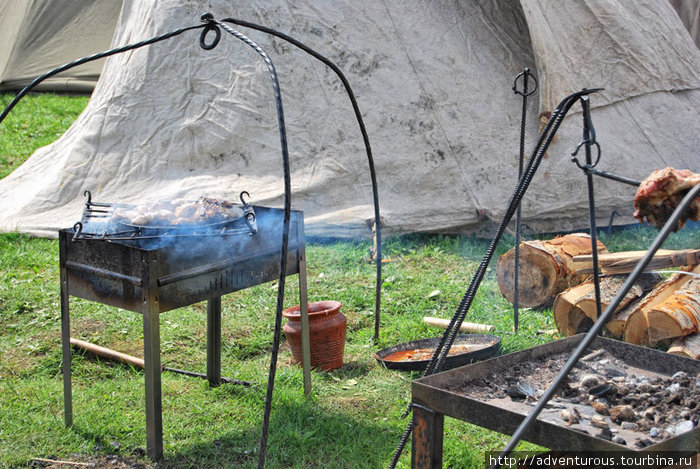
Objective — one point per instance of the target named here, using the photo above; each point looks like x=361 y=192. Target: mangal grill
x=155 y=269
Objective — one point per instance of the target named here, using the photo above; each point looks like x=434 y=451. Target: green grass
x=37 y=120
x=353 y=419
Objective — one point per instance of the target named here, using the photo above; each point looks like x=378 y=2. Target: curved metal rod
x=285 y=229
x=90 y=58
x=365 y=139
x=602 y=320
x=448 y=337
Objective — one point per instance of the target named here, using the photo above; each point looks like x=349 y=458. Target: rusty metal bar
x=426 y=445
x=304 y=311
x=65 y=336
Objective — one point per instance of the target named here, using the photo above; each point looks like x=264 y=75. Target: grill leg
x=65 y=351
x=214 y=341
x=426 y=451
x=151 y=358
x=304 y=312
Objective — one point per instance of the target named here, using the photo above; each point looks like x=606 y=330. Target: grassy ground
x=353 y=419
x=36 y=121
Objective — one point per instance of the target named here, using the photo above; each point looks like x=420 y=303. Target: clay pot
x=326 y=333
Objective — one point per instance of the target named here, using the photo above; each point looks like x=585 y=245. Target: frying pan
x=492 y=342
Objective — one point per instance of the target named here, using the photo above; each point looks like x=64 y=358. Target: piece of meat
x=660 y=193
x=180 y=212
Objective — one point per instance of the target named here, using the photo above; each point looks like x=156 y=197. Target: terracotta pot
x=326 y=333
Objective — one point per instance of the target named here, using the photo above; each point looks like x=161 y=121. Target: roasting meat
x=179 y=213
x=660 y=193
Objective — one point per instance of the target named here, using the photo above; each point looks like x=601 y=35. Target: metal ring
x=597 y=159
x=203 y=36
x=578 y=147
x=515 y=83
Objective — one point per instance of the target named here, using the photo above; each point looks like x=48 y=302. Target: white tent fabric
x=40 y=35
x=433 y=80
x=689 y=13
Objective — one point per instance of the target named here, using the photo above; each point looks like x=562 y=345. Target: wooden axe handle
x=465 y=327
x=107 y=353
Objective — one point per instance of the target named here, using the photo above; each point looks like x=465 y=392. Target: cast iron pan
x=492 y=343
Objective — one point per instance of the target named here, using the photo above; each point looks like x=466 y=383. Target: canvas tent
x=39 y=35
x=689 y=13
x=433 y=80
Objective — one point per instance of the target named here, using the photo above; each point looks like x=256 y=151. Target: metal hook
x=78 y=228
x=250 y=221
x=525 y=74
x=241 y=198
x=88 y=194
x=208 y=18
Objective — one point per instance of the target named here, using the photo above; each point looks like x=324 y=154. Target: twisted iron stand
x=525 y=93
x=211 y=25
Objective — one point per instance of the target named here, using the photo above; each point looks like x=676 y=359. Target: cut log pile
x=656 y=310
x=546 y=268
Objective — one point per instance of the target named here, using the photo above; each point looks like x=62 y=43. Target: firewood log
x=688 y=346
x=568 y=317
x=609 y=286
x=546 y=269
x=616 y=325
x=671 y=310
x=625 y=262
x=570 y=305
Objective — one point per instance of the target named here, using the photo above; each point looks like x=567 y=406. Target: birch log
x=688 y=346
x=573 y=307
x=671 y=310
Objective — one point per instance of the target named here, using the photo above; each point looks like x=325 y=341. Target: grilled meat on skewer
x=660 y=193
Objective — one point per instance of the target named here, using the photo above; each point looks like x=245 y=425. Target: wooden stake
x=465 y=327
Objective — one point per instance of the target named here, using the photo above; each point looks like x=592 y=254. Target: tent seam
x=470 y=192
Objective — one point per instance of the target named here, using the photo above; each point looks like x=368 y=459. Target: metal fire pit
x=153 y=275
x=437 y=395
